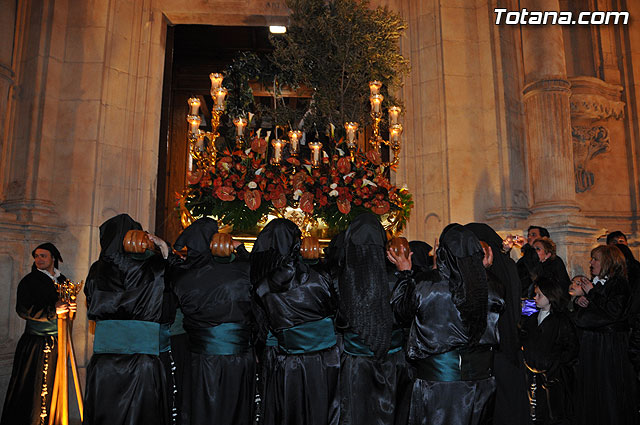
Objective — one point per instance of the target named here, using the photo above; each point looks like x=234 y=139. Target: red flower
x=357 y=201
x=344 y=206
x=293 y=161
x=344 y=165
x=374 y=157
x=381 y=207
x=279 y=201
x=193 y=177
x=226 y=193
x=323 y=201
x=259 y=146
x=306 y=202
x=252 y=199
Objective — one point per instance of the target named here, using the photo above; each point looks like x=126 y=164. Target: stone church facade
x=506 y=124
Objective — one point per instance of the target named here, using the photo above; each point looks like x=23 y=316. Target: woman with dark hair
x=126 y=378
x=550 y=347
x=603 y=362
x=214 y=294
x=511 y=395
x=453 y=315
x=298 y=304
x=374 y=379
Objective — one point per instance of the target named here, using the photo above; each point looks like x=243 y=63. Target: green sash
x=223 y=340
x=177 y=327
x=48 y=328
x=457 y=365
x=356 y=347
x=128 y=337
x=307 y=337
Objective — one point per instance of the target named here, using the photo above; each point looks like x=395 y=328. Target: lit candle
x=277 y=151
x=394 y=113
x=351 y=128
x=216 y=81
x=376 y=103
x=200 y=142
x=220 y=94
x=374 y=86
x=194 y=123
x=240 y=124
x=394 y=135
x=194 y=103
x=315 y=153
x=294 y=141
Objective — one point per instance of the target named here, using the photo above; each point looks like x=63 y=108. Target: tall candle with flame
x=374 y=87
x=277 y=151
x=376 y=103
x=194 y=104
x=394 y=113
x=219 y=97
x=216 y=81
x=395 y=131
x=194 y=123
x=316 y=153
x=240 y=124
x=351 y=128
x=294 y=141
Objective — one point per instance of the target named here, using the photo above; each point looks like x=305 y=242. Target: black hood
x=197 y=239
x=112 y=233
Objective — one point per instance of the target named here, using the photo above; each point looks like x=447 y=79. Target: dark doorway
x=192 y=53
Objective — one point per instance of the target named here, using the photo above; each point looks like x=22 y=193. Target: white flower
x=333 y=193
x=226 y=166
x=259 y=171
x=246 y=152
x=308 y=167
x=340 y=151
x=252 y=185
x=325 y=155
x=297 y=194
x=351 y=174
x=333 y=185
x=368 y=182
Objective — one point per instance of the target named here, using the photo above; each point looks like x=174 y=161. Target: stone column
x=548 y=115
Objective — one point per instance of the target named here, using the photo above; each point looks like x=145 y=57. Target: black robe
x=436 y=328
x=126 y=389
x=605 y=384
x=550 y=351
x=36 y=303
x=300 y=388
x=222 y=386
x=529 y=268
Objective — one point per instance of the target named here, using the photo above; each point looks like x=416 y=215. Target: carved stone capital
x=588 y=142
x=594 y=99
x=546 y=85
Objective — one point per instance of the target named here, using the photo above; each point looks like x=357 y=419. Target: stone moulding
x=594 y=99
x=588 y=142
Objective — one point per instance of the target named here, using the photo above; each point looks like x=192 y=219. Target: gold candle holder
x=277 y=151
x=316 y=153
x=294 y=142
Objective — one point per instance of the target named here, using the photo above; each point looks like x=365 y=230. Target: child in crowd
x=550 y=347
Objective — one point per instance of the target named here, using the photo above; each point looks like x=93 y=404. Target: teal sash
x=165 y=338
x=177 y=327
x=272 y=341
x=127 y=337
x=226 y=339
x=35 y=327
x=457 y=365
x=356 y=347
x=307 y=337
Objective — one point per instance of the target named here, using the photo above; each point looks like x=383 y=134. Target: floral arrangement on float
x=319 y=179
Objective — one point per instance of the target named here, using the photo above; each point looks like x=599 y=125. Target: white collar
x=600 y=280
x=542 y=314
x=54 y=276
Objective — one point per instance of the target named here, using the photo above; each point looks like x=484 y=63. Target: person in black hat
x=30 y=388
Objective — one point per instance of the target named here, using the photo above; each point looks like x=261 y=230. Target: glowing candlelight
x=394 y=135
x=294 y=141
x=315 y=153
x=394 y=113
x=240 y=124
x=351 y=128
x=374 y=87
x=216 y=81
x=376 y=103
x=200 y=142
x=194 y=103
x=194 y=123
x=219 y=96
x=277 y=151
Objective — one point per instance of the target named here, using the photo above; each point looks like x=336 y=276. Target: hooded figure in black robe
x=215 y=298
x=421 y=260
x=511 y=392
x=37 y=348
x=297 y=303
x=374 y=378
x=454 y=313
x=126 y=379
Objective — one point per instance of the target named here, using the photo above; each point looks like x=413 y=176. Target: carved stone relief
x=588 y=142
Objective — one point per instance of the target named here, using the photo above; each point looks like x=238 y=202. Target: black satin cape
x=605 y=385
x=36 y=300
x=437 y=327
x=211 y=293
x=126 y=389
x=299 y=388
x=508 y=368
